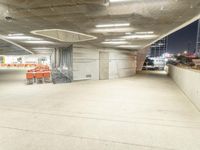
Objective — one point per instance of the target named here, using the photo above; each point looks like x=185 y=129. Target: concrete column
x=103 y=65
x=141 y=56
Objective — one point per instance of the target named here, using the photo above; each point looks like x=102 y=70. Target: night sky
x=183 y=39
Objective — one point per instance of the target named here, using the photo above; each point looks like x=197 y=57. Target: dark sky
x=183 y=39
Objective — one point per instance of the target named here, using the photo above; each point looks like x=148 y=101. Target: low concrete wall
x=189 y=82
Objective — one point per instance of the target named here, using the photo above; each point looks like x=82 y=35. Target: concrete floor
x=145 y=112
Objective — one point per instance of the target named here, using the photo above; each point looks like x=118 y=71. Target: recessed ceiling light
x=38 y=42
x=115 y=42
x=113 y=25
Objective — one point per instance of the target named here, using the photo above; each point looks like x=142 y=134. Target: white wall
x=189 y=82
x=85 y=63
x=122 y=64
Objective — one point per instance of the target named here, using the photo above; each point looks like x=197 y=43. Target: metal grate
x=62 y=65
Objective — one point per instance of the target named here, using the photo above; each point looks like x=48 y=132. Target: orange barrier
x=3 y=65
x=19 y=65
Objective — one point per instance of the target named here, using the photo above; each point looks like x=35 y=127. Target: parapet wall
x=188 y=81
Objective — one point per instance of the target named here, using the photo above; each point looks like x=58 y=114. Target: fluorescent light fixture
x=115 y=42
x=140 y=36
x=116 y=30
x=118 y=1
x=144 y=33
x=16 y=34
x=128 y=33
x=129 y=46
x=22 y=38
x=42 y=48
x=113 y=25
x=38 y=42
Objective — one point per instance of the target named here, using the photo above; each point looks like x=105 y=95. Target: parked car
x=148 y=64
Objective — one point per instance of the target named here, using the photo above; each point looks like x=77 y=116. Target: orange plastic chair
x=47 y=76
x=39 y=77
x=29 y=77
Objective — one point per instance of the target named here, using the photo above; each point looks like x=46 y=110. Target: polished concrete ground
x=145 y=112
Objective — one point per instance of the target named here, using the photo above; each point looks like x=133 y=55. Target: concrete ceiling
x=11 y=49
x=157 y=16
